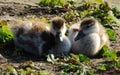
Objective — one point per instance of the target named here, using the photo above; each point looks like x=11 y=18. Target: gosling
x=62 y=43
x=90 y=38
x=32 y=36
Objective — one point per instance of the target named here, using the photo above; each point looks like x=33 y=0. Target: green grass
x=77 y=64
x=28 y=68
x=6 y=36
x=111 y=57
x=52 y=3
x=111 y=34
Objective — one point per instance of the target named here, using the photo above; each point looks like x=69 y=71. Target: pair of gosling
x=88 y=37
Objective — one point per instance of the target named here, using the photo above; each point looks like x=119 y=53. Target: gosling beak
x=79 y=35
x=59 y=37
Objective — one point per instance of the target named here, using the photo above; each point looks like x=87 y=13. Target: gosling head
x=88 y=26
x=58 y=28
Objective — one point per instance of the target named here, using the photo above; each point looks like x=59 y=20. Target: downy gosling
x=62 y=43
x=90 y=37
x=33 y=36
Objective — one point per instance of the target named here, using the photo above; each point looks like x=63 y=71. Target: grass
x=72 y=64
x=28 y=68
x=52 y=3
x=77 y=64
x=6 y=36
x=112 y=58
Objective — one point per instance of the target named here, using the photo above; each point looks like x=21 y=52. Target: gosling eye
x=88 y=26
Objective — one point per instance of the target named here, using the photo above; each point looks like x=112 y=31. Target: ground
x=29 y=8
